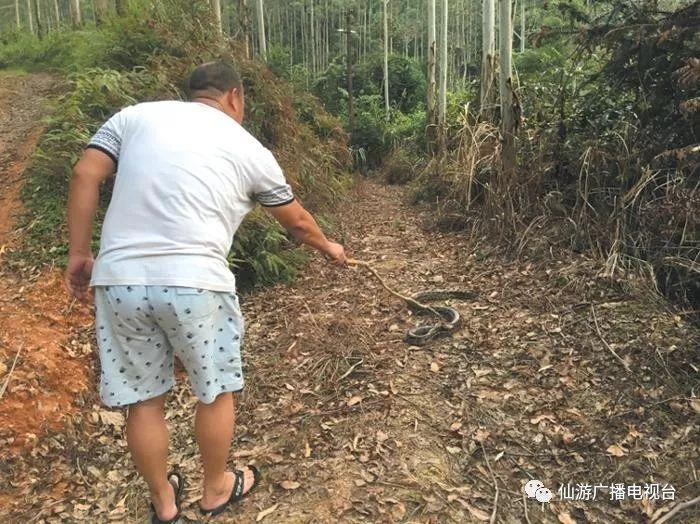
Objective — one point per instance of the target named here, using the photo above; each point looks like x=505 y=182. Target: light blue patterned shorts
x=140 y=328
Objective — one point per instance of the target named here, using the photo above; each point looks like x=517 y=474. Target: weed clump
x=400 y=166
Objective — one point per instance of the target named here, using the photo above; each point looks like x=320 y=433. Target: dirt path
x=35 y=327
x=349 y=423
x=22 y=109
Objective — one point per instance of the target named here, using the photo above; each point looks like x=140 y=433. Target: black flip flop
x=178 y=487
x=237 y=491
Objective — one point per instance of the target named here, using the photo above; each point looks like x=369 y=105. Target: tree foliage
x=604 y=105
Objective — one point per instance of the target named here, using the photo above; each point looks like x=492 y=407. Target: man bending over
x=186 y=175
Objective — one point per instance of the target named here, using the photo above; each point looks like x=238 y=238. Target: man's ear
x=234 y=98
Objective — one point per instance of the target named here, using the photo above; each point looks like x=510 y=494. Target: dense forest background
x=546 y=124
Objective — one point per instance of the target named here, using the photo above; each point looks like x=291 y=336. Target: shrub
x=400 y=166
x=407 y=85
x=407 y=129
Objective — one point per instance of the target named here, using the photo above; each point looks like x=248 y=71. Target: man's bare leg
x=147 y=435
x=213 y=427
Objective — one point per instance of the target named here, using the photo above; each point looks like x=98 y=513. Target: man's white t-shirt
x=187 y=174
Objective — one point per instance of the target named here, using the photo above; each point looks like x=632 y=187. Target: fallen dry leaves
x=349 y=423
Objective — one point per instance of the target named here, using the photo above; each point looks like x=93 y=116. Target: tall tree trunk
x=244 y=21
x=327 y=34
x=261 y=31
x=506 y=90
x=37 y=18
x=488 y=52
x=216 y=9
x=75 y=14
x=432 y=51
x=45 y=15
x=313 y=39
x=30 y=16
x=57 y=12
x=386 y=58
x=293 y=39
x=101 y=11
x=443 y=64
x=18 y=21
x=302 y=34
x=226 y=17
x=44 y=8
x=121 y=6
x=351 y=109
x=467 y=46
x=522 y=26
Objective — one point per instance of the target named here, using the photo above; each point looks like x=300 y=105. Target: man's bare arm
x=93 y=168
x=299 y=222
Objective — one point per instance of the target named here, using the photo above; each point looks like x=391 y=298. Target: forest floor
x=557 y=373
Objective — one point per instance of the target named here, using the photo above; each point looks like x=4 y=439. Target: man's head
x=220 y=82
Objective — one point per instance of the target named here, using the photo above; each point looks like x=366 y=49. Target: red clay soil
x=42 y=367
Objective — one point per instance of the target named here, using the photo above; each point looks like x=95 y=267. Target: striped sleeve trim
x=105 y=151
x=107 y=142
x=277 y=196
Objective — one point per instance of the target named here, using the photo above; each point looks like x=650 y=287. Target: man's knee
x=149 y=406
x=223 y=398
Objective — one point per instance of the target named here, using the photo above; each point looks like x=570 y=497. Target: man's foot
x=164 y=504
x=217 y=498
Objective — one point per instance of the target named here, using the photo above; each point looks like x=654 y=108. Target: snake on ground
x=449 y=316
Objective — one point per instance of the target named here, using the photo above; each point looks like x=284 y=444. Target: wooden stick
x=495 y=485
x=409 y=300
x=351 y=369
x=527 y=518
x=597 y=328
x=70 y=307
x=676 y=509
x=9 y=374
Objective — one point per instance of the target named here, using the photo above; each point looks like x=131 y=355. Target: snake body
x=449 y=316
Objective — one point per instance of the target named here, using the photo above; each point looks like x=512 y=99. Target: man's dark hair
x=218 y=75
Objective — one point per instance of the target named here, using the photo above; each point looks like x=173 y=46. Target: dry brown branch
x=689 y=74
x=9 y=373
x=70 y=307
x=600 y=335
x=405 y=298
x=527 y=518
x=350 y=369
x=495 y=485
x=685 y=263
x=678 y=507
x=313 y=317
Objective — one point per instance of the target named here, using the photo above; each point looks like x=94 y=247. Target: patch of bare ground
x=556 y=374
x=43 y=364
x=22 y=108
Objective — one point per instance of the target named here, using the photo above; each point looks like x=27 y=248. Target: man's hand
x=78 y=275
x=336 y=253
x=299 y=222
x=93 y=168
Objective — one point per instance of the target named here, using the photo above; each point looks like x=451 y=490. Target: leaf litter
x=349 y=423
